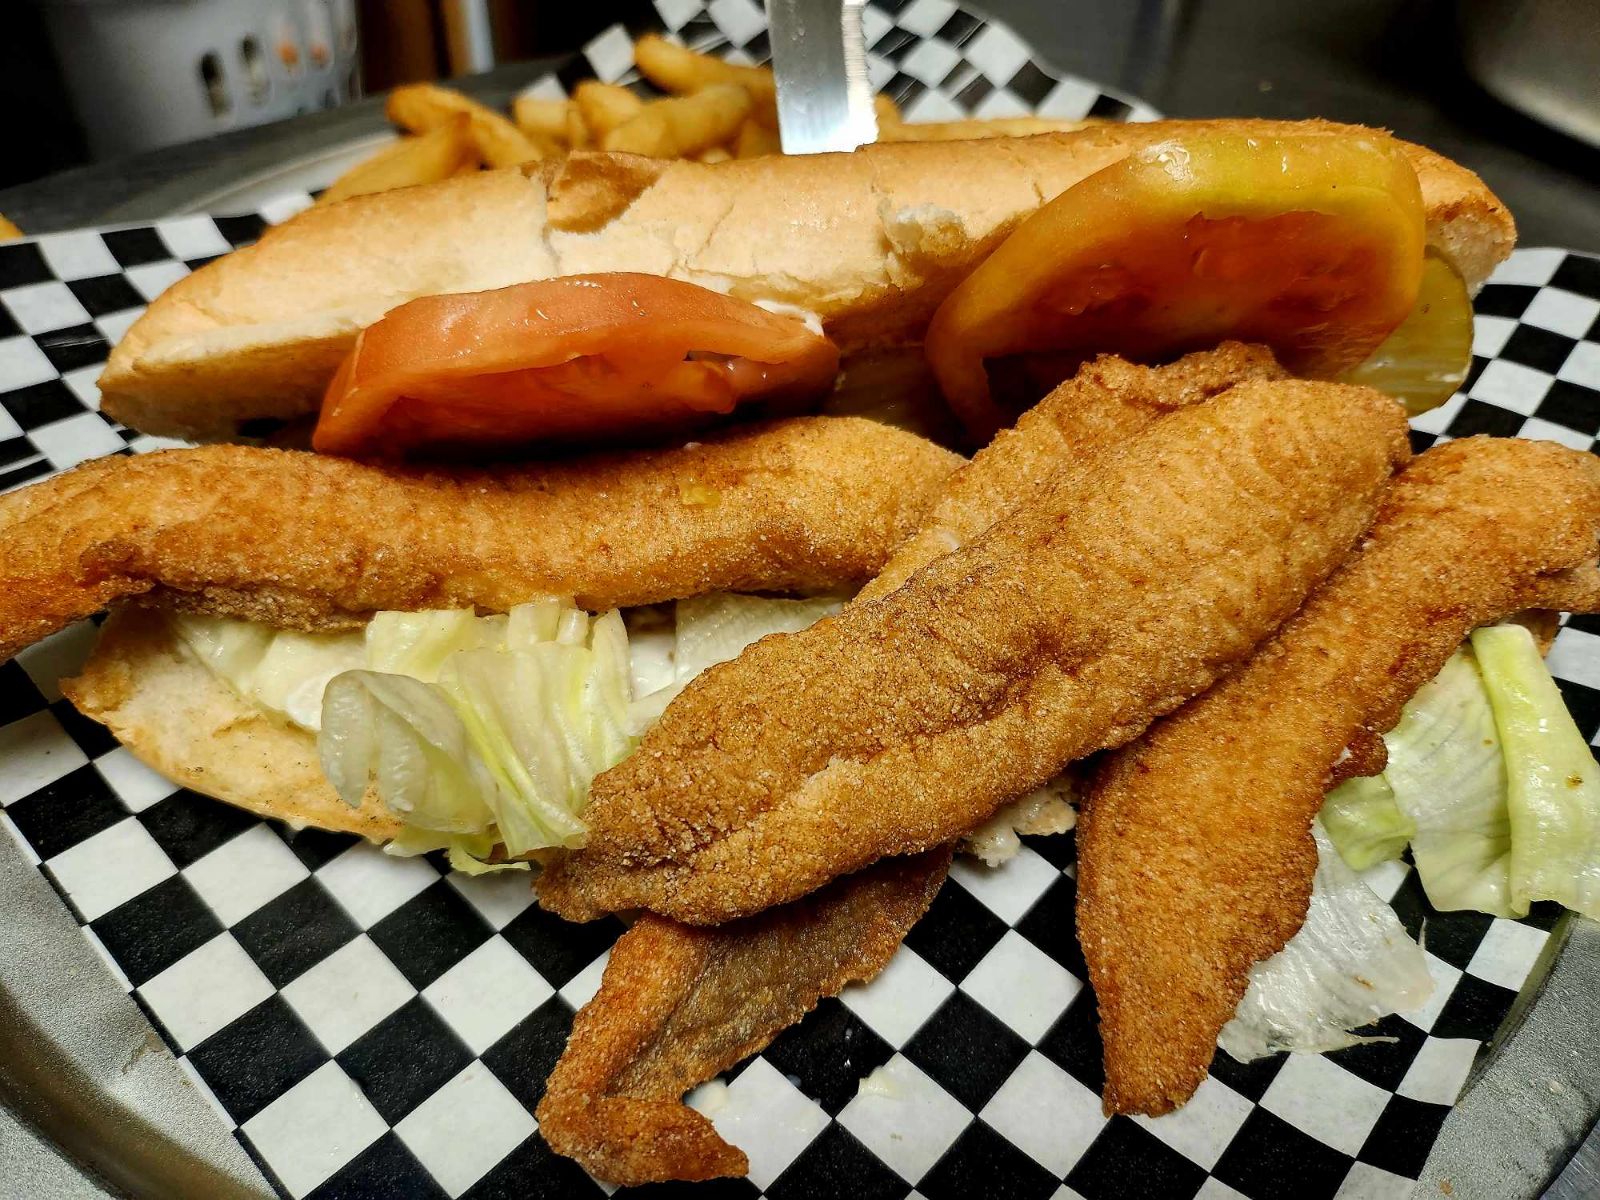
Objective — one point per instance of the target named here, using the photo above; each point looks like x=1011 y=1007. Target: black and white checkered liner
x=375 y=1025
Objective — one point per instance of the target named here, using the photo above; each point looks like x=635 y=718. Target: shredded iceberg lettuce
x=1351 y=964
x=715 y=628
x=283 y=670
x=404 y=738
x=1490 y=781
x=418 y=643
x=1444 y=792
x=1365 y=823
x=483 y=734
x=1553 y=797
x=481 y=730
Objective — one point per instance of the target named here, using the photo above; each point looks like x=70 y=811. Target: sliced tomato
x=1311 y=244
x=574 y=359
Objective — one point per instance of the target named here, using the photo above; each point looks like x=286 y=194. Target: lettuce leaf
x=282 y=670
x=1449 y=779
x=402 y=738
x=713 y=629
x=418 y=644
x=1553 y=781
x=1351 y=964
x=481 y=732
x=1364 y=822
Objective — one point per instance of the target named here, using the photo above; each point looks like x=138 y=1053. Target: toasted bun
x=183 y=721
x=872 y=241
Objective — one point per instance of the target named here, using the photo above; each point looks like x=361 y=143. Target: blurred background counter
x=1415 y=66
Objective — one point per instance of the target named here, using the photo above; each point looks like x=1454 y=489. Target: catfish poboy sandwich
x=659 y=673
x=631 y=301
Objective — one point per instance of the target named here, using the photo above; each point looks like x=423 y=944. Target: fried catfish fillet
x=678 y=1004
x=665 y=978
x=310 y=541
x=1103 y=602
x=1098 y=409
x=1195 y=856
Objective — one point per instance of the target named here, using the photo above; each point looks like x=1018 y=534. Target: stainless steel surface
x=1581 y=1179
x=819 y=58
x=35 y=1170
x=1541 y=56
x=147 y=73
x=79 y=1062
x=1536 y=1094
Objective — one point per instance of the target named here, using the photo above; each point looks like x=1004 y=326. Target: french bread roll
x=870 y=241
x=186 y=723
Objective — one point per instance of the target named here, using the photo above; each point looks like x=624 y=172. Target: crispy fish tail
x=1100 y=604
x=1195 y=857
x=678 y=1004
x=311 y=541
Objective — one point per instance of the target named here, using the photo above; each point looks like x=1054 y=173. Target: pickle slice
x=1425 y=361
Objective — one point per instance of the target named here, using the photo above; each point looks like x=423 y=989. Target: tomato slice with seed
x=1311 y=244
x=1426 y=360
x=561 y=361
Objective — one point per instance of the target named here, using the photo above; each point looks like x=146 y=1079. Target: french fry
x=502 y=144
x=683 y=125
x=605 y=105
x=422 y=159
x=9 y=230
x=539 y=117
x=714 y=154
x=672 y=68
x=958 y=131
x=579 y=135
x=421 y=107
x=755 y=140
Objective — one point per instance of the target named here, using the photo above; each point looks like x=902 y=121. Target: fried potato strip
x=424 y=107
x=682 y=71
x=681 y=125
x=677 y=1005
x=1102 y=603
x=1195 y=856
x=311 y=541
x=438 y=154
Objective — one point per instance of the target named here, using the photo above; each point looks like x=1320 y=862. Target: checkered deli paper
x=368 y=1025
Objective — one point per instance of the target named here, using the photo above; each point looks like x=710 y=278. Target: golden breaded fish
x=1100 y=604
x=1195 y=855
x=710 y=997
x=309 y=541
x=679 y=1004
x=1103 y=405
